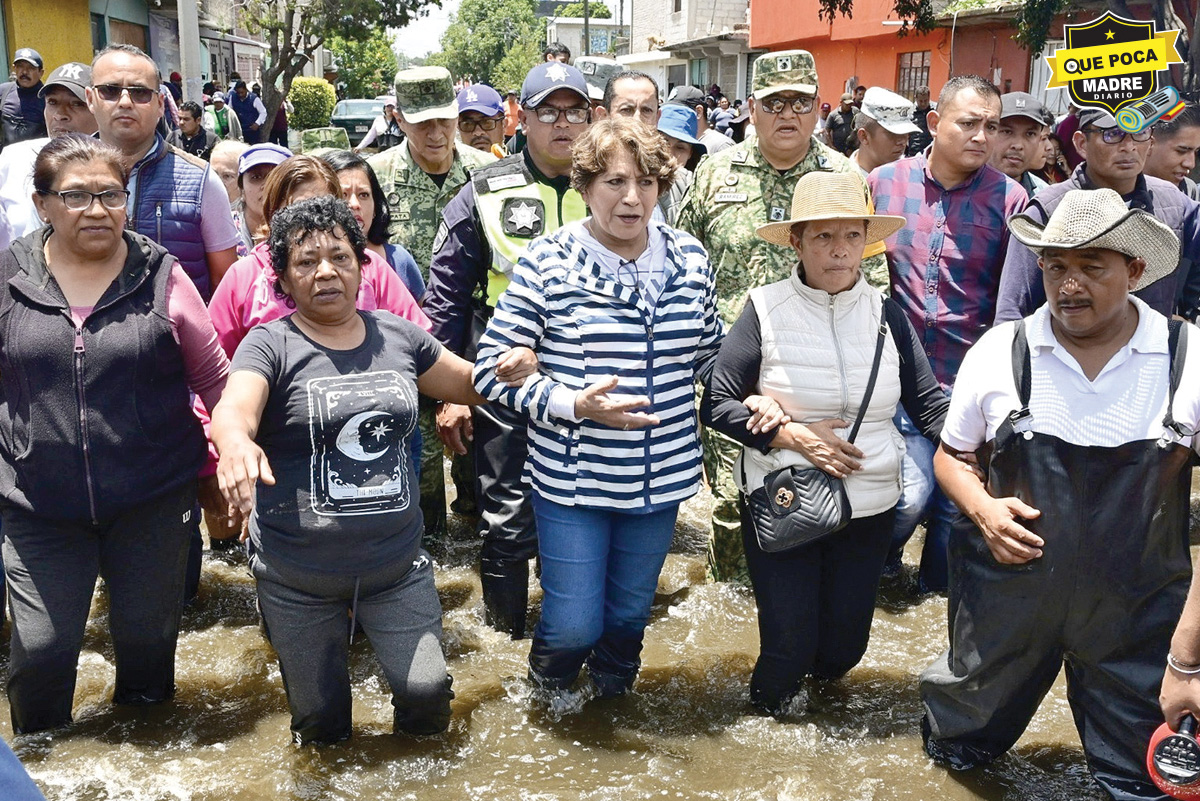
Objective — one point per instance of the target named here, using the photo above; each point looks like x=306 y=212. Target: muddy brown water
x=686 y=732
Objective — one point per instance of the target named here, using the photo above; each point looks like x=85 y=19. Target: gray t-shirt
x=336 y=431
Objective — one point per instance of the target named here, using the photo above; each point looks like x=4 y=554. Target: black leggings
x=815 y=605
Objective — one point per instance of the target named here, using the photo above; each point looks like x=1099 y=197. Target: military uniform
x=416 y=203
x=734 y=192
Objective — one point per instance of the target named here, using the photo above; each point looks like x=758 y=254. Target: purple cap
x=482 y=98
x=256 y=155
x=547 y=78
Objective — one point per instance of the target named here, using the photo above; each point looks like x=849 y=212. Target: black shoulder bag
x=796 y=506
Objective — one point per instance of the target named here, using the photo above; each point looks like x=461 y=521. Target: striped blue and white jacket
x=586 y=327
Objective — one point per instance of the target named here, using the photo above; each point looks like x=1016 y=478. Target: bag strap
x=862 y=409
x=1177 y=342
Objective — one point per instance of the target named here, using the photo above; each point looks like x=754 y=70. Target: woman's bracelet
x=1181 y=667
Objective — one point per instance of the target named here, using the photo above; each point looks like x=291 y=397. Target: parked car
x=356 y=116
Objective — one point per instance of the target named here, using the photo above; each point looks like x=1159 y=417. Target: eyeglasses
x=549 y=114
x=774 y=105
x=1115 y=136
x=487 y=124
x=112 y=93
x=80 y=199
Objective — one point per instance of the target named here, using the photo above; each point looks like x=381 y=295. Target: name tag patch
x=731 y=197
x=499 y=182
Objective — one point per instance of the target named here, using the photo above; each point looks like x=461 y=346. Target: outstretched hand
x=240 y=468
x=615 y=411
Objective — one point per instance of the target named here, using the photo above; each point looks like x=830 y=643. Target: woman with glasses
x=622 y=313
x=102 y=339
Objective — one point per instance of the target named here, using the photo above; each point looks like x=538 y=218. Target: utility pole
x=189 y=51
x=587 y=36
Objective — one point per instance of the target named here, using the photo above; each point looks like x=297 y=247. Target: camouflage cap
x=426 y=93
x=785 y=71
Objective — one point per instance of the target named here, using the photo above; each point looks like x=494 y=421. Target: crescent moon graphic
x=348 y=439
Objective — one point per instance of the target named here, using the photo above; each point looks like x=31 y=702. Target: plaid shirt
x=945 y=263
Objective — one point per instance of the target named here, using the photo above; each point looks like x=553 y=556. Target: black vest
x=96 y=419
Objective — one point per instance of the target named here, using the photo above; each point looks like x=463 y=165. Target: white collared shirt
x=1124 y=403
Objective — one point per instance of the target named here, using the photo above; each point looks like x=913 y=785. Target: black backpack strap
x=862 y=409
x=1177 y=340
x=1020 y=365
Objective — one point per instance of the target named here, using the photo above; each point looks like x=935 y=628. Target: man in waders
x=484 y=230
x=1075 y=549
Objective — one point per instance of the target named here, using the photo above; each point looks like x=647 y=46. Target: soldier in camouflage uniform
x=734 y=192
x=419 y=177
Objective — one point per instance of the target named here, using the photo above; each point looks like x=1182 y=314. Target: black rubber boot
x=505 y=595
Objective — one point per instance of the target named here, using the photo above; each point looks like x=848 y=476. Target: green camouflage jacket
x=416 y=201
x=734 y=192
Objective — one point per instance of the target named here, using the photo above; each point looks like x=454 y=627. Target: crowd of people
x=888 y=314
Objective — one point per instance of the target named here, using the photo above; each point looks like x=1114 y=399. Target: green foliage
x=1033 y=22
x=366 y=67
x=484 y=32
x=519 y=60
x=916 y=15
x=313 y=100
x=596 y=10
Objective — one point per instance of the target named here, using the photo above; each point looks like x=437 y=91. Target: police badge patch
x=524 y=217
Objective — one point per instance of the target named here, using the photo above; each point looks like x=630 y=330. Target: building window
x=121 y=32
x=677 y=6
x=99 y=36
x=698 y=72
x=912 y=70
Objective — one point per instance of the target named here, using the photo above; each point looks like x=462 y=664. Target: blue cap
x=267 y=153
x=547 y=78
x=482 y=98
x=30 y=55
x=680 y=122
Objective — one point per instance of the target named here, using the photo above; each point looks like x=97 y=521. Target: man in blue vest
x=484 y=230
x=175 y=198
x=250 y=111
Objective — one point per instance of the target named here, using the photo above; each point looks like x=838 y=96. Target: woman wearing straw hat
x=815 y=344
x=1075 y=549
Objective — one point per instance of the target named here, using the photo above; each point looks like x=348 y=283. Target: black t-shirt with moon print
x=336 y=432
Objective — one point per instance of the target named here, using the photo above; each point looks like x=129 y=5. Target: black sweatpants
x=815 y=605
x=51 y=567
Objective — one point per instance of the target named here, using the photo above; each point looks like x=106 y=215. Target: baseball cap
x=785 y=71
x=892 y=111
x=1022 y=104
x=73 y=75
x=388 y=100
x=30 y=55
x=680 y=122
x=481 y=98
x=1096 y=118
x=597 y=72
x=847 y=97
x=825 y=107
x=175 y=76
x=686 y=95
x=547 y=78
x=218 y=97
x=426 y=93
x=266 y=153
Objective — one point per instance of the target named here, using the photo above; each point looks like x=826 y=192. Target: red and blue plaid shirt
x=945 y=263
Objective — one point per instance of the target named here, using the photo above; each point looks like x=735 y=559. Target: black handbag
x=799 y=505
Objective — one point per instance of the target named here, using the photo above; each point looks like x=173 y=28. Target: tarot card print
x=360 y=425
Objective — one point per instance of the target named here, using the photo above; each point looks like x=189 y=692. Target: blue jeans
x=599 y=573
x=920 y=499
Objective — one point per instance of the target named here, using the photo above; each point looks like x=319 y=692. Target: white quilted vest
x=817 y=350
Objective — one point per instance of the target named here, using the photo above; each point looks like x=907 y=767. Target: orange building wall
x=979 y=51
x=861 y=46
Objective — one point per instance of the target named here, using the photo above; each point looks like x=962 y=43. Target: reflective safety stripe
x=507 y=247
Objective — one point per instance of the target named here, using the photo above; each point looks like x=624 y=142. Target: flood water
x=687 y=732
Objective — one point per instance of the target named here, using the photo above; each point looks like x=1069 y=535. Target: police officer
x=734 y=192
x=419 y=177
x=484 y=231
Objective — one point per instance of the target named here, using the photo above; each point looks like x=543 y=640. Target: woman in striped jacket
x=622 y=314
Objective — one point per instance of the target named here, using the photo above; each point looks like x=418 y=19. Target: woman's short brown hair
x=592 y=152
x=283 y=180
x=74 y=147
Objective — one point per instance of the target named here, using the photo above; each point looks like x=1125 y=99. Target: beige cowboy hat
x=832 y=196
x=1098 y=218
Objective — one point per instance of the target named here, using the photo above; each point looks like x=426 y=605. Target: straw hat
x=1098 y=218
x=831 y=196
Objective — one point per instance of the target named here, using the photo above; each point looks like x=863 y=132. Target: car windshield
x=358 y=108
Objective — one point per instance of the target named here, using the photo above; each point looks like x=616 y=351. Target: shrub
x=313 y=100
